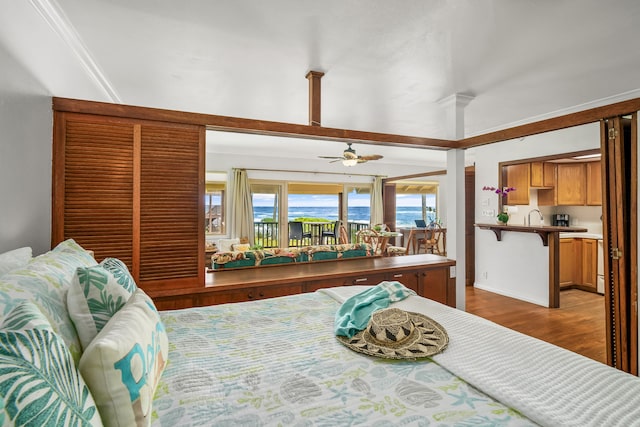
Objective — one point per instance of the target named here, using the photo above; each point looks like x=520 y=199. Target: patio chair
x=297 y=234
x=344 y=236
x=332 y=233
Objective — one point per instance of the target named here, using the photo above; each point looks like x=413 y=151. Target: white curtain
x=242 y=206
x=376 y=201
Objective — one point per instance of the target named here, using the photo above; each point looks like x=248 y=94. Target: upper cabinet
x=571 y=184
x=576 y=184
x=541 y=175
x=594 y=184
x=557 y=184
x=517 y=176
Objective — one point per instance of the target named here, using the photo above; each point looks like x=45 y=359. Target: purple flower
x=502 y=192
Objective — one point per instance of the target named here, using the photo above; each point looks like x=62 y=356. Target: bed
x=276 y=362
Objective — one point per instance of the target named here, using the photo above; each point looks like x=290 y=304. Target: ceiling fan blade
x=331 y=157
x=370 y=157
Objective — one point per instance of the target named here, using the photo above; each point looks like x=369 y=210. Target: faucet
x=529 y=216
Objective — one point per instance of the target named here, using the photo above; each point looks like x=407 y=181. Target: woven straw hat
x=393 y=333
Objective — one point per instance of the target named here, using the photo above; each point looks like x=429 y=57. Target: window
x=416 y=200
x=215 y=203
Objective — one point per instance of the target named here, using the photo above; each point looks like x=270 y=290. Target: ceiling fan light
x=350 y=162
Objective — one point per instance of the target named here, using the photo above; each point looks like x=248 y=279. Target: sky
x=318 y=200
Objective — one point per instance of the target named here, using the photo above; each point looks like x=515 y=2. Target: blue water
x=405 y=216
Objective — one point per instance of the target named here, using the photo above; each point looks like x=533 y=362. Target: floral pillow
x=14 y=259
x=39 y=382
x=44 y=282
x=96 y=294
x=123 y=364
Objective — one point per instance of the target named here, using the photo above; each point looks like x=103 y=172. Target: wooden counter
x=427 y=274
x=550 y=236
x=542 y=230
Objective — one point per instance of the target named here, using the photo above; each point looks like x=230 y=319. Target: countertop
x=581 y=236
x=571 y=231
x=542 y=230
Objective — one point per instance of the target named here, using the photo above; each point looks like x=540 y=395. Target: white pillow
x=243 y=247
x=123 y=364
x=96 y=294
x=15 y=258
x=226 y=245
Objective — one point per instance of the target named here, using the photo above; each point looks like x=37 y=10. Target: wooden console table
x=550 y=236
x=427 y=274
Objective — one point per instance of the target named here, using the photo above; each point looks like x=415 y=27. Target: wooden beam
x=555 y=123
x=235 y=124
x=315 y=97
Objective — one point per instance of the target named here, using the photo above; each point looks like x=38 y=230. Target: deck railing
x=266 y=233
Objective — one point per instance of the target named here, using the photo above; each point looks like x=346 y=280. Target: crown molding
x=53 y=14
x=625 y=96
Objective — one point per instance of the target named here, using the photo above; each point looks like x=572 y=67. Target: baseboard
x=510 y=295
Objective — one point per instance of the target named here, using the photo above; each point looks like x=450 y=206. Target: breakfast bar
x=550 y=236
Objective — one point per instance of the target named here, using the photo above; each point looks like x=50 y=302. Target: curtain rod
x=311 y=172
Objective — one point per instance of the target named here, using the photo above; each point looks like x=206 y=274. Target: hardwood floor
x=578 y=325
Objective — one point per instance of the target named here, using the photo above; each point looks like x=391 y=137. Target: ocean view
x=405 y=215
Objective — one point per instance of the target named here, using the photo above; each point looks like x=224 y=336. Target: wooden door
x=619 y=172
x=469 y=228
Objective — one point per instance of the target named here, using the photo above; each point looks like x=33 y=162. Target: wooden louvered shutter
x=171 y=203
x=134 y=191
x=93 y=185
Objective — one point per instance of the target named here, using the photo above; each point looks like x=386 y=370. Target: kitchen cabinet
x=571 y=185
x=594 y=183
x=589 y=264
x=574 y=184
x=578 y=263
x=517 y=176
x=541 y=175
x=570 y=262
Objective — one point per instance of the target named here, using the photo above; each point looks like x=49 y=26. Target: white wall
x=25 y=159
x=518 y=266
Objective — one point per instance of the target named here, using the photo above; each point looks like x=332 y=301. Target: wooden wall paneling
x=389 y=205
x=94 y=185
x=171 y=211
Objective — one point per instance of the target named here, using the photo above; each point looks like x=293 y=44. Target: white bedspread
x=549 y=385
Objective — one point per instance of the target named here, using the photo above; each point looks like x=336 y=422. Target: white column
x=455 y=198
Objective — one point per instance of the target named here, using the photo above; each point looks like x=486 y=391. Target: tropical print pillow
x=44 y=282
x=39 y=382
x=96 y=294
x=124 y=363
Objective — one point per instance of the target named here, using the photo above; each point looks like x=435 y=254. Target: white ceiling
x=387 y=63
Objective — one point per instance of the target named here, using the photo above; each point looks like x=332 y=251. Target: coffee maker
x=561 y=220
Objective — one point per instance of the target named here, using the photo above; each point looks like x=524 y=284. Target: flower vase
x=502 y=218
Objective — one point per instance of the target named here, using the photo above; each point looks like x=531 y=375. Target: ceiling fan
x=350 y=158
